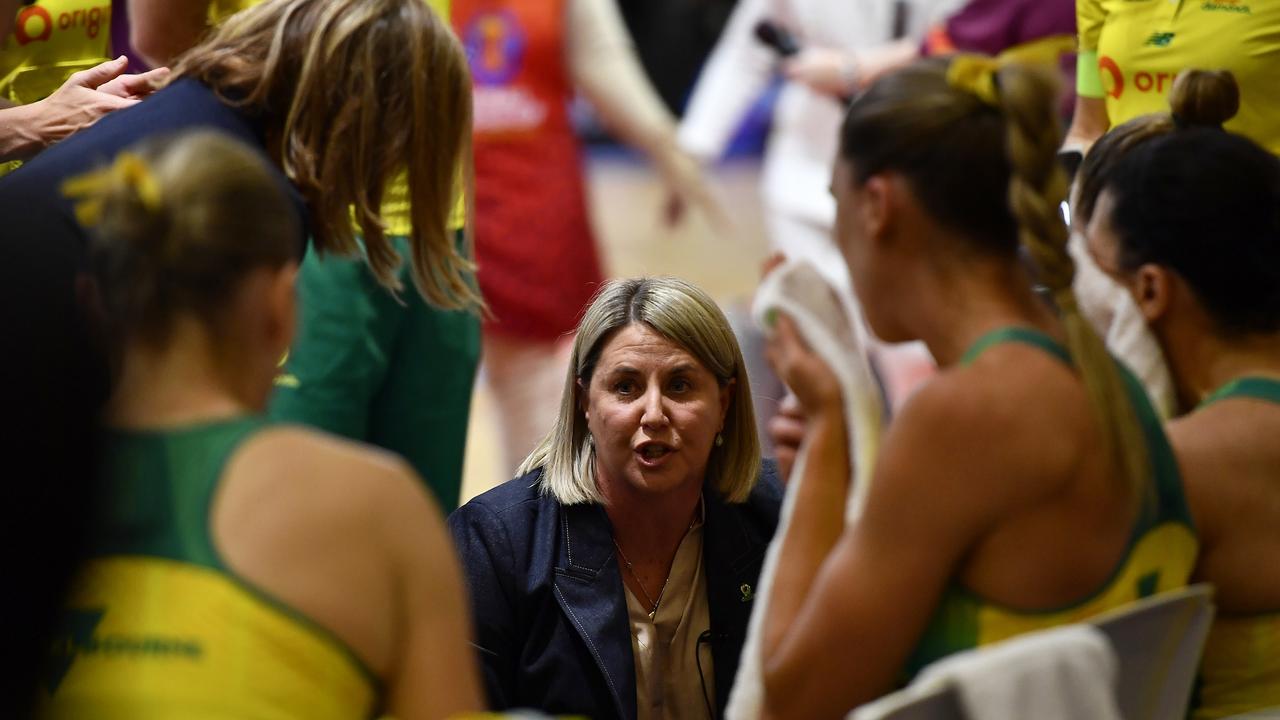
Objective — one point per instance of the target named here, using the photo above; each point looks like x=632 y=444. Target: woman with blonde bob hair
x=636 y=531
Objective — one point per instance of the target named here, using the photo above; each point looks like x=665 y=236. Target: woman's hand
x=842 y=73
x=84 y=98
x=136 y=87
x=687 y=187
x=815 y=386
x=826 y=71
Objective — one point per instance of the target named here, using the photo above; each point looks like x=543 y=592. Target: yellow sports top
x=158 y=627
x=153 y=638
x=51 y=40
x=1240 y=671
x=1131 y=50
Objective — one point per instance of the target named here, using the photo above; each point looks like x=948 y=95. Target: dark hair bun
x=1204 y=98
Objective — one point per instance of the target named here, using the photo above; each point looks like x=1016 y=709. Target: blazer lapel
x=732 y=556
x=589 y=589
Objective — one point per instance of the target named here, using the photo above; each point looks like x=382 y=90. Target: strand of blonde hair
x=1037 y=188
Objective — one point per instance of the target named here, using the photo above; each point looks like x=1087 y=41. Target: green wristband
x=1088 y=78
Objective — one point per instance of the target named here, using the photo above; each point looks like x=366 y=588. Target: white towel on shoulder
x=798 y=290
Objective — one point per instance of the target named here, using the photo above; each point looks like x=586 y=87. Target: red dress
x=537 y=258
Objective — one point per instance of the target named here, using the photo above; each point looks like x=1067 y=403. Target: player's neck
x=1202 y=367
x=178 y=384
x=964 y=306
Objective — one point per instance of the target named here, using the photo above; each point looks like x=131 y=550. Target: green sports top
x=1254 y=388
x=1240 y=669
x=1160 y=556
x=157 y=626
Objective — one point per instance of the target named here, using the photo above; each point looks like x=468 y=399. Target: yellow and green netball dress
x=1160 y=556
x=1131 y=50
x=158 y=627
x=1240 y=670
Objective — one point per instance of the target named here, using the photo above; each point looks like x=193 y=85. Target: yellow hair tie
x=129 y=170
x=976 y=74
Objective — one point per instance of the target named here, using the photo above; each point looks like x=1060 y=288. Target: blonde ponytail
x=1037 y=187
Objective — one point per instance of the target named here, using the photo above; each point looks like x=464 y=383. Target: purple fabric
x=989 y=26
x=120 y=37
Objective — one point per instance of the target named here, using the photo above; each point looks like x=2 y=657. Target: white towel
x=1065 y=673
x=836 y=334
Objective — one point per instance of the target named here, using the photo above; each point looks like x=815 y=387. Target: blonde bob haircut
x=688 y=317
x=353 y=95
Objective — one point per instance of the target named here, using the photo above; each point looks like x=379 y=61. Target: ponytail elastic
x=979 y=75
x=129 y=171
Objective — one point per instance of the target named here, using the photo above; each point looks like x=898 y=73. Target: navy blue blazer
x=552 y=629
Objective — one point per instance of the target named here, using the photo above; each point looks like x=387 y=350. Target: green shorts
x=393 y=372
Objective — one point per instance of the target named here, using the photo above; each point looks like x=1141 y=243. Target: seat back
x=1158 y=641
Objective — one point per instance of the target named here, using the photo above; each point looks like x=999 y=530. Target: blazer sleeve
x=484 y=547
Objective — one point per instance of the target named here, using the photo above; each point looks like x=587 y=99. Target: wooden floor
x=626 y=206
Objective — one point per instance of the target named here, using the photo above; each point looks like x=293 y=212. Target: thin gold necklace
x=653 y=604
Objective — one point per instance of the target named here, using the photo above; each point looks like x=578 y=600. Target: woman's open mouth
x=653 y=454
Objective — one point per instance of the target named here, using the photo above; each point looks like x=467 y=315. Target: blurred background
x=672 y=40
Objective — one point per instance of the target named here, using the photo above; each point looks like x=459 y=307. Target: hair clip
x=91 y=188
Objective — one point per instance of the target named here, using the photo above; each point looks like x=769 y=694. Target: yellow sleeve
x=219 y=9
x=1091 y=17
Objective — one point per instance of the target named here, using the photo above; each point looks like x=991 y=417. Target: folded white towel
x=1064 y=673
x=837 y=335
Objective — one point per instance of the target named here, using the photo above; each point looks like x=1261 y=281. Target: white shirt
x=802 y=147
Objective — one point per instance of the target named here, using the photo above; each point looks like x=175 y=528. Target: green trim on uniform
x=391 y=371
x=160 y=490
x=1023 y=335
x=1255 y=388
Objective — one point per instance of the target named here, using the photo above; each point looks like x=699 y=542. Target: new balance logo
x=1160 y=39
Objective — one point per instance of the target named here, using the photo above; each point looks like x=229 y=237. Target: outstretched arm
x=604 y=66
